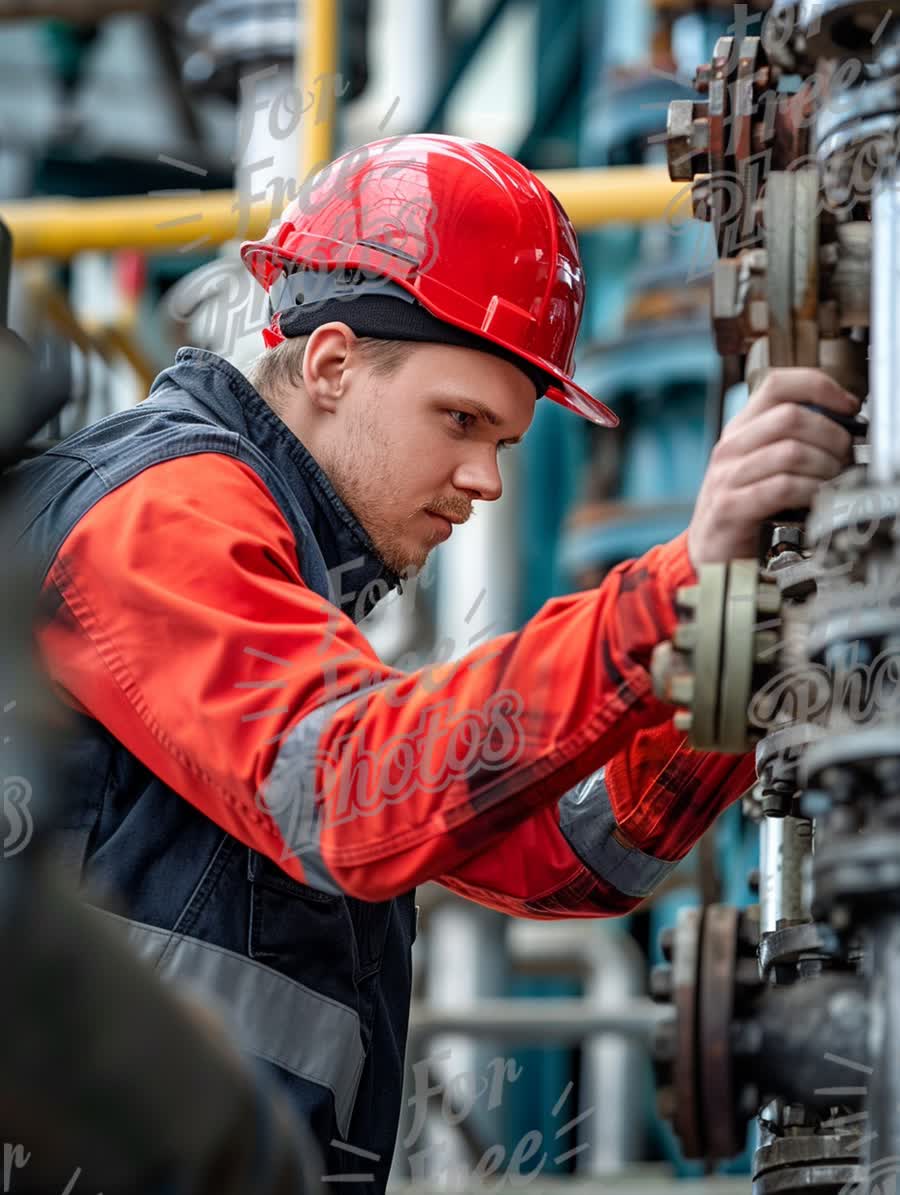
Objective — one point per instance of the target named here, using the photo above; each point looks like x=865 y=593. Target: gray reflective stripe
x=272 y=1016
x=289 y=792
x=587 y=821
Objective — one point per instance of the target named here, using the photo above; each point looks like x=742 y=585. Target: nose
x=480 y=476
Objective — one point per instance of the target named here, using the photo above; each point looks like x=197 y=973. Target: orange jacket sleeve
x=182 y=624
x=659 y=796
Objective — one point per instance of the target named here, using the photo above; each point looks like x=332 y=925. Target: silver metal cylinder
x=613 y=1075
x=784 y=845
x=884 y=374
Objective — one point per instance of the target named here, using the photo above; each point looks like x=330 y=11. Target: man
x=257 y=787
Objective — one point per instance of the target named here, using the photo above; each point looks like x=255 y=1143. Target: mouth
x=444 y=524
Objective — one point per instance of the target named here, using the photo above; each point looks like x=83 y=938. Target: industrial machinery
x=790 y=1010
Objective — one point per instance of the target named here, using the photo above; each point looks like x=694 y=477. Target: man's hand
x=773 y=456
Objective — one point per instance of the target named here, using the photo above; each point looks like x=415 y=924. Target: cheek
x=419 y=466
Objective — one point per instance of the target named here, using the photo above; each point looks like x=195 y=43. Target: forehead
x=502 y=392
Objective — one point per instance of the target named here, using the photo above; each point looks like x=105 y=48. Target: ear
x=326 y=364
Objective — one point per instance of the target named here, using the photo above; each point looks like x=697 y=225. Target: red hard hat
x=472 y=234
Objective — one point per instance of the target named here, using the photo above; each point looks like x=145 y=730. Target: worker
x=253 y=795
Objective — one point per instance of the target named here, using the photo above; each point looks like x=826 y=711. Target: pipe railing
x=61 y=227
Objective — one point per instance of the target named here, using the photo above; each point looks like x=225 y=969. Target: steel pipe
x=884 y=400
x=558 y=1020
x=316 y=63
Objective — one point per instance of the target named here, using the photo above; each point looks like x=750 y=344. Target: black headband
x=383 y=309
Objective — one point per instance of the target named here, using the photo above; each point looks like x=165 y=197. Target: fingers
x=793 y=457
x=767 y=497
x=785 y=422
x=798 y=384
x=773 y=456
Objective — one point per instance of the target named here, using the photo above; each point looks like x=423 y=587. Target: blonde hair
x=276 y=370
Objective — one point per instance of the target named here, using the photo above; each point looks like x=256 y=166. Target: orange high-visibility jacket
x=183 y=625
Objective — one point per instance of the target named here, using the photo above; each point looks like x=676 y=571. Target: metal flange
x=725 y=642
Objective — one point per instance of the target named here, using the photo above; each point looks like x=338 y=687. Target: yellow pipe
x=317 y=72
x=60 y=228
x=619 y=194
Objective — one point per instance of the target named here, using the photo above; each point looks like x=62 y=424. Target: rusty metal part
x=846 y=361
x=717 y=991
x=739 y=311
x=850 y=282
x=793 y=267
x=687 y=139
x=840 y=357
x=752 y=76
x=714 y=981
x=686 y=959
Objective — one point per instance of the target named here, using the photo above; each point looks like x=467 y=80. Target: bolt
x=785 y=537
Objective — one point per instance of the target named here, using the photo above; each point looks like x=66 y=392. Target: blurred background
x=139 y=143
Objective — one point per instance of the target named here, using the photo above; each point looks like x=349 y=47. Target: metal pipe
x=882 y=1077
x=810 y=1042
x=5 y=267
x=60 y=228
x=613 y=1078
x=885 y=308
x=558 y=1020
x=316 y=66
x=785 y=842
x=467 y=962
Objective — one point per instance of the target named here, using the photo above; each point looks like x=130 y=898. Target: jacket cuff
x=674 y=564
x=588 y=824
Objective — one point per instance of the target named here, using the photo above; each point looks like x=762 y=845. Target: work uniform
x=253 y=796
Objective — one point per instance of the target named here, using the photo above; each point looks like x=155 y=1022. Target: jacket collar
x=345 y=545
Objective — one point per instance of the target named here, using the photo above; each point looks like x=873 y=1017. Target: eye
x=462 y=419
